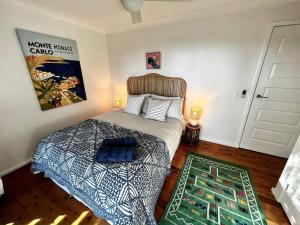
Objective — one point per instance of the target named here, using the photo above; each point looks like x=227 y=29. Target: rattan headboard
x=154 y=83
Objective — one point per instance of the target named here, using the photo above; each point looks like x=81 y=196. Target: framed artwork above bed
x=153 y=60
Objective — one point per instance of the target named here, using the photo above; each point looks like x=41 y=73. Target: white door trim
x=261 y=60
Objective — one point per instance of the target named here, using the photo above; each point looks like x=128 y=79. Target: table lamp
x=117 y=104
x=195 y=116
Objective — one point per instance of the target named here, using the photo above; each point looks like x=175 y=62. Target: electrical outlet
x=244 y=93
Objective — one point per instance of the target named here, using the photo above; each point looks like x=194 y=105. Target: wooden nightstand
x=191 y=134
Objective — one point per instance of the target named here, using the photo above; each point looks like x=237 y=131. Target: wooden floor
x=37 y=200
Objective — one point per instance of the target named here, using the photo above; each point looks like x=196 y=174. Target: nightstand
x=191 y=134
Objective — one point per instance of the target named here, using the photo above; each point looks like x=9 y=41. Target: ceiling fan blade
x=136 y=17
x=171 y=0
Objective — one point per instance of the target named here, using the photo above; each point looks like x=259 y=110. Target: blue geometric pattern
x=123 y=193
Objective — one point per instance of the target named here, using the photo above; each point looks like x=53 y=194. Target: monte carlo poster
x=54 y=68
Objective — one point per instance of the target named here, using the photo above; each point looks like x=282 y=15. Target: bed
x=121 y=193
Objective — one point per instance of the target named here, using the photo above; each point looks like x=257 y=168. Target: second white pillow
x=157 y=109
x=175 y=109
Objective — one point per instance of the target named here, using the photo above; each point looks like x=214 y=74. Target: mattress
x=170 y=130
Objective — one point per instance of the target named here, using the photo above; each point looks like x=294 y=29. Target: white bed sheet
x=170 y=131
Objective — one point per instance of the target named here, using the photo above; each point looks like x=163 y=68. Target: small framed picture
x=153 y=60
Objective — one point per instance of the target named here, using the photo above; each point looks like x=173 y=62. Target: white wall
x=22 y=122
x=216 y=56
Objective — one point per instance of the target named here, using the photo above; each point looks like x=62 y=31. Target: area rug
x=211 y=192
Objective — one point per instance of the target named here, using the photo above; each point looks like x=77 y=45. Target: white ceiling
x=109 y=15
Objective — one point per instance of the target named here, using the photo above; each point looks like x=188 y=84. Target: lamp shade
x=195 y=116
x=195 y=113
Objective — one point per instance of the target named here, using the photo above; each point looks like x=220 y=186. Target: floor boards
x=37 y=200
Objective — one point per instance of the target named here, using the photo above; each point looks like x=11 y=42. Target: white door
x=273 y=123
x=290 y=201
x=287 y=190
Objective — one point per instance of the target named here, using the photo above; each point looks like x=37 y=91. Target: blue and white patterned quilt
x=122 y=193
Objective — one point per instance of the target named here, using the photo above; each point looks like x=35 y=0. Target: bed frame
x=157 y=84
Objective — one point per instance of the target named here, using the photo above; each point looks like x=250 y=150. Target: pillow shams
x=146 y=103
x=157 y=109
x=175 y=109
x=134 y=104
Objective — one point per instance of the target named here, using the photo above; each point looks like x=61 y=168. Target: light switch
x=241 y=94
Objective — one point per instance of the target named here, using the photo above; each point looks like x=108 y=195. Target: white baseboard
x=235 y=145
x=15 y=168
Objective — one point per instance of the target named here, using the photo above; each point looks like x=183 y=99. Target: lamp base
x=194 y=123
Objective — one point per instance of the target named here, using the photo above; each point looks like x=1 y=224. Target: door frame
x=258 y=69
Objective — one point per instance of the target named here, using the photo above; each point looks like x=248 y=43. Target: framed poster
x=54 y=68
x=153 y=60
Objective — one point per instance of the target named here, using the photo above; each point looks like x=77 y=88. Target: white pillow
x=175 y=109
x=146 y=103
x=134 y=104
x=157 y=109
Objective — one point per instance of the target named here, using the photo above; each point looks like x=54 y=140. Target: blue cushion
x=119 y=141
x=117 y=150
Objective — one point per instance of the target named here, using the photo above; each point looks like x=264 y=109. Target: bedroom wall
x=217 y=56
x=22 y=122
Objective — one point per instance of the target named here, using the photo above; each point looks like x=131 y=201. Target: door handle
x=260 y=96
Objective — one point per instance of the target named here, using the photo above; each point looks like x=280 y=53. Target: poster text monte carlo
x=54 y=68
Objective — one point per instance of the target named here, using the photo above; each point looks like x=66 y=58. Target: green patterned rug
x=211 y=192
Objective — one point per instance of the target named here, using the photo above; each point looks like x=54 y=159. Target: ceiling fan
x=134 y=7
